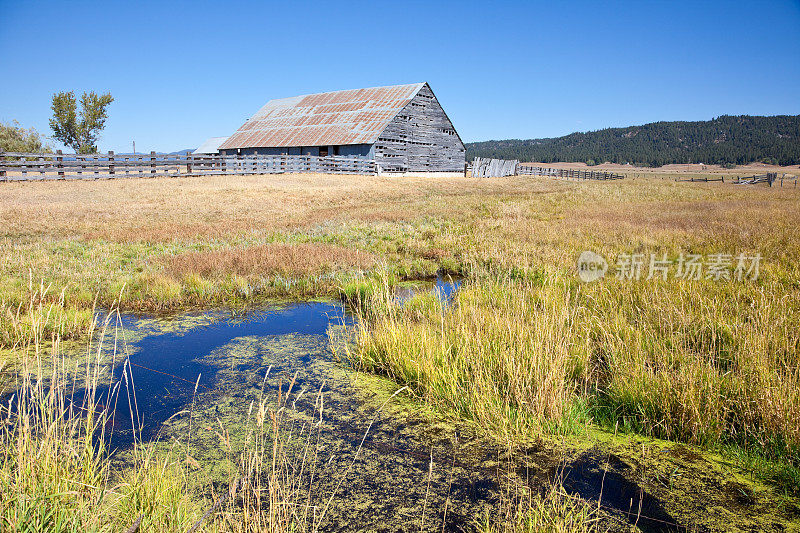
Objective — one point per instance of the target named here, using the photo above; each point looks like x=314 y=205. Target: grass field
x=525 y=349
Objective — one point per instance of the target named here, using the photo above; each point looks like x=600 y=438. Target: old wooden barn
x=402 y=127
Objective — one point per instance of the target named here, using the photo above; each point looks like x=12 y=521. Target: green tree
x=14 y=138
x=79 y=131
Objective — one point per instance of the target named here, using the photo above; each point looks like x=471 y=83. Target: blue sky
x=182 y=72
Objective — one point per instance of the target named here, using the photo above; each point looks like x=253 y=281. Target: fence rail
x=528 y=170
x=704 y=179
x=769 y=178
x=20 y=166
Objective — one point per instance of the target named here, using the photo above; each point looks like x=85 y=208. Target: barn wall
x=420 y=138
x=361 y=150
x=351 y=150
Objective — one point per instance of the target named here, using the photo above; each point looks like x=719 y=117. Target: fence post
x=111 y=162
x=3 y=176
x=152 y=162
x=60 y=165
x=42 y=166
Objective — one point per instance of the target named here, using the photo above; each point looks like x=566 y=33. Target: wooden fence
x=483 y=167
x=528 y=170
x=16 y=166
x=769 y=178
x=704 y=179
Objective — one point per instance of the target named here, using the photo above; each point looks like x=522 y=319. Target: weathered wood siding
x=420 y=138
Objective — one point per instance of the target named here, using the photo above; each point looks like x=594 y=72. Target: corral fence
x=770 y=178
x=483 y=167
x=528 y=170
x=18 y=166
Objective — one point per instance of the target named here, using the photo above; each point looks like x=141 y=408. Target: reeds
x=553 y=510
x=57 y=472
x=500 y=355
x=697 y=362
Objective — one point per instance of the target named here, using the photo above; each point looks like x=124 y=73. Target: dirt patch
x=683 y=452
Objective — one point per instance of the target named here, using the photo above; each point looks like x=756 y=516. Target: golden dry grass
x=162 y=209
x=92 y=238
x=298 y=259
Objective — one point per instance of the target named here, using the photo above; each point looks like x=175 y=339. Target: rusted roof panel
x=343 y=117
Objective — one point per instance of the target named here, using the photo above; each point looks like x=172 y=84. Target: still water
x=385 y=462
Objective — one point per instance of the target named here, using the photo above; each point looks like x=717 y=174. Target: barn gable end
x=420 y=138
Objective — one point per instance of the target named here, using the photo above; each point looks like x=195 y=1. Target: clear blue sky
x=182 y=72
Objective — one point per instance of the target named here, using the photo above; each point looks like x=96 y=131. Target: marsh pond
x=363 y=457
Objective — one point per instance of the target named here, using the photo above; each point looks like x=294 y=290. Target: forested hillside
x=727 y=140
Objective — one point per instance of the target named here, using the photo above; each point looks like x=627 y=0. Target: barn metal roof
x=211 y=146
x=356 y=116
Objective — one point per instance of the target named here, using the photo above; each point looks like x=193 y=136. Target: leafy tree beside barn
x=80 y=131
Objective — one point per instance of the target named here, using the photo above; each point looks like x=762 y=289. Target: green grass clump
x=501 y=354
x=553 y=511
x=360 y=292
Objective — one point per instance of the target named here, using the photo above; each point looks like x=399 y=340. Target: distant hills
x=727 y=140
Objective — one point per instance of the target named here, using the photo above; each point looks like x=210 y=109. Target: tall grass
x=705 y=363
x=698 y=362
x=501 y=355
x=57 y=474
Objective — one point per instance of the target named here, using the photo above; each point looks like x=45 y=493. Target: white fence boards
x=484 y=167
